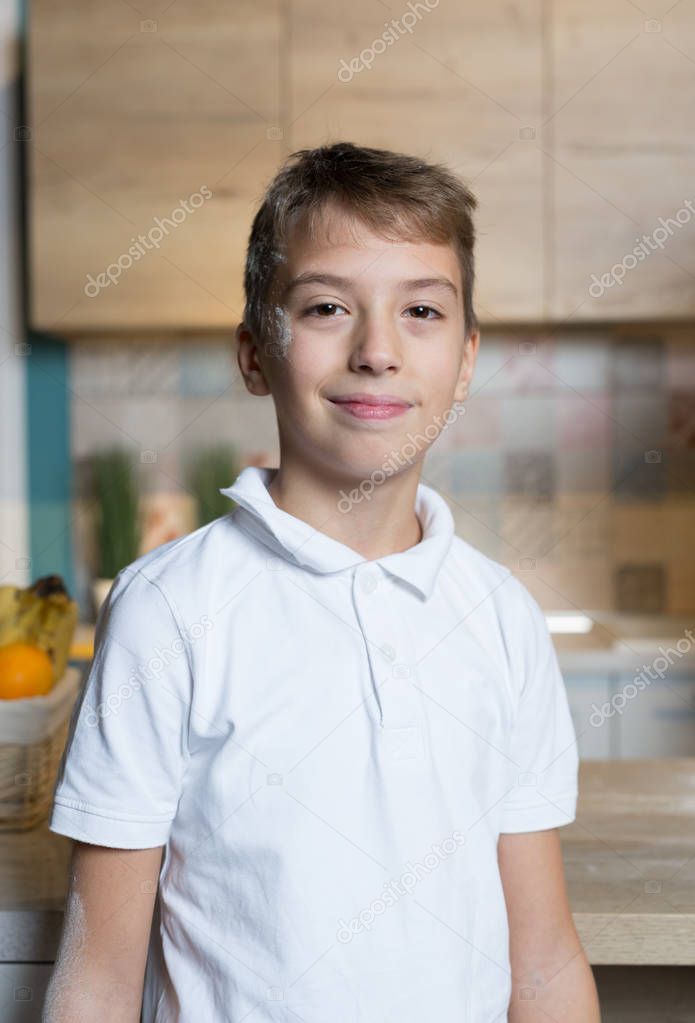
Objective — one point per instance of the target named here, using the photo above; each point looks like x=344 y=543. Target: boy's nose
x=376 y=346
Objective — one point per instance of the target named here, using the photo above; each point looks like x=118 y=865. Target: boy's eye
x=328 y=309
x=426 y=309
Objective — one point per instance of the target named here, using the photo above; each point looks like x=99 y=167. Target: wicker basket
x=32 y=739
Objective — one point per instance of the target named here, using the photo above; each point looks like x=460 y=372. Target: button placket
x=390 y=654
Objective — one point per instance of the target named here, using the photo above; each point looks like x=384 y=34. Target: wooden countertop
x=629 y=861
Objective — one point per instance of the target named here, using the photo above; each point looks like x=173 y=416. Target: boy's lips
x=372 y=406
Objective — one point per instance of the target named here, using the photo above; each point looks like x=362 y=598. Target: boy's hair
x=395 y=195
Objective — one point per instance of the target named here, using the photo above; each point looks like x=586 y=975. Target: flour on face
x=283 y=330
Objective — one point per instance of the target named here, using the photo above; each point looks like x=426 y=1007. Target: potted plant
x=209 y=469
x=117 y=521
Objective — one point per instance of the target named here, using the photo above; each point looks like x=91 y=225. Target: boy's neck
x=381 y=521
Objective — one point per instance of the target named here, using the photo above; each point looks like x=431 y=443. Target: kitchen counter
x=629 y=861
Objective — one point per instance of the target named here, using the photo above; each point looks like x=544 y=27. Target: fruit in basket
x=41 y=615
x=25 y=670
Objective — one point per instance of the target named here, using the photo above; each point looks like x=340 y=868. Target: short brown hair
x=396 y=195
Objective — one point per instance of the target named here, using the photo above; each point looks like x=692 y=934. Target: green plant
x=208 y=470
x=115 y=492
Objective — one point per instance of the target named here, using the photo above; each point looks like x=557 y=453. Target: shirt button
x=388 y=652
x=368 y=582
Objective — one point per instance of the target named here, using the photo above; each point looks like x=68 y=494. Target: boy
x=343 y=727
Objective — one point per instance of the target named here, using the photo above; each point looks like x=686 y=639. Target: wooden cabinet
x=132 y=117
x=460 y=84
x=571 y=123
x=623 y=168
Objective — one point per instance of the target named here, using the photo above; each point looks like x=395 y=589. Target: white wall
x=14 y=539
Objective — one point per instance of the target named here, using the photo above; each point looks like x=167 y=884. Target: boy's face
x=371 y=330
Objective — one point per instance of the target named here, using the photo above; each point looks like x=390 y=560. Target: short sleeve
x=544 y=760
x=120 y=775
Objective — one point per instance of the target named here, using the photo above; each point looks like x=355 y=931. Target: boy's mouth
x=372 y=406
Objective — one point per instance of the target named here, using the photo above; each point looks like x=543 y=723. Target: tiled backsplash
x=573 y=463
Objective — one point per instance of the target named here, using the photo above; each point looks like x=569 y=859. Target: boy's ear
x=470 y=354
x=249 y=363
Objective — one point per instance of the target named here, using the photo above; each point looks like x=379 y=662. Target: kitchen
x=135 y=154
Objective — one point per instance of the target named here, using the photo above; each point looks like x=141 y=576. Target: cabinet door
x=656 y=717
x=587 y=694
x=451 y=82
x=23 y=991
x=134 y=112
x=620 y=132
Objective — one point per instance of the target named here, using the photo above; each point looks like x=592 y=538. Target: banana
x=42 y=614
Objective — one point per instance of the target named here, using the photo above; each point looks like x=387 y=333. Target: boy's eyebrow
x=313 y=277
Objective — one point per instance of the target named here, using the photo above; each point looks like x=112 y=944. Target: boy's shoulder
x=479 y=572
x=191 y=567
x=503 y=613
x=477 y=563
x=497 y=600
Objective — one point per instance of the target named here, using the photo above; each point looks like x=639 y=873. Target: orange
x=25 y=670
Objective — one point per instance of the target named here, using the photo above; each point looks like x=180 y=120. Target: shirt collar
x=296 y=540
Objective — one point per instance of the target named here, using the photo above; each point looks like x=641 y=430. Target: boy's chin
x=373 y=472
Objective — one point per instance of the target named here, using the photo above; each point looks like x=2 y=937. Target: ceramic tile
x=99 y=423
x=681 y=418
x=640 y=588
x=528 y=527
x=638 y=475
x=680 y=364
x=637 y=363
x=641 y=526
x=206 y=421
x=639 y=419
x=478 y=473
x=493 y=355
x=680 y=472
x=680 y=575
x=155 y=424
x=478 y=426
x=581 y=471
x=100 y=369
x=530 y=366
x=582 y=362
x=583 y=526
x=584 y=420
x=436 y=470
x=585 y=584
x=531 y=474
x=477 y=522
x=154 y=370
x=679 y=516
x=208 y=369
x=529 y=421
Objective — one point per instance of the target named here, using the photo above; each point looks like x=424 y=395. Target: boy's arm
x=100 y=966
x=551 y=976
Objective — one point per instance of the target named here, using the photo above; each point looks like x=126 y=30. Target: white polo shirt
x=328 y=748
